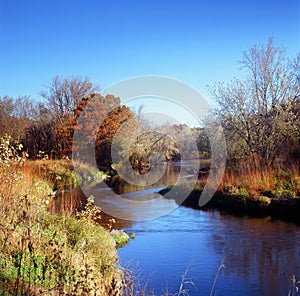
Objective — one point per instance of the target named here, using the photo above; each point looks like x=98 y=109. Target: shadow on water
x=69 y=202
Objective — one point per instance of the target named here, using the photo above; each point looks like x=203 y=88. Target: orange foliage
x=97 y=118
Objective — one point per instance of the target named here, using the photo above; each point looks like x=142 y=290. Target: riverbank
x=282 y=208
x=44 y=253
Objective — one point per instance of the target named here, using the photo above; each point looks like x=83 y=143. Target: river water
x=260 y=256
x=189 y=246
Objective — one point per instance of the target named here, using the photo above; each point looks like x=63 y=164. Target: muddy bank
x=287 y=209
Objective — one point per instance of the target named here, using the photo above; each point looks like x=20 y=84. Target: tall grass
x=269 y=181
x=44 y=254
x=64 y=182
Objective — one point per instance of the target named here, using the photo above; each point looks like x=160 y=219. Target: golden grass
x=45 y=254
x=268 y=180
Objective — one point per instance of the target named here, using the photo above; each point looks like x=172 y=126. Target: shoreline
x=285 y=209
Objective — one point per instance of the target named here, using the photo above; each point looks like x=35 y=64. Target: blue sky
x=198 y=42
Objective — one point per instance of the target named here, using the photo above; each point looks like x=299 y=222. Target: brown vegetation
x=44 y=254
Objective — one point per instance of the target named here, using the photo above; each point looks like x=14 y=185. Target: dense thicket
x=48 y=125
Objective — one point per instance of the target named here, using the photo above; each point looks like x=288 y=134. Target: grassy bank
x=44 y=254
x=268 y=181
x=60 y=174
x=268 y=192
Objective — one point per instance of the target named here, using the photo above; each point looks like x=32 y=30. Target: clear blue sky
x=198 y=42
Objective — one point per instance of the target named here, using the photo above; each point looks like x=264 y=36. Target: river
x=259 y=256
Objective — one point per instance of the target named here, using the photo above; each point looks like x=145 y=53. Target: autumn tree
x=107 y=131
x=61 y=99
x=67 y=105
x=40 y=137
x=258 y=112
x=95 y=122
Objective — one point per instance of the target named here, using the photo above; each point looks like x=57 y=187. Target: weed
x=48 y=254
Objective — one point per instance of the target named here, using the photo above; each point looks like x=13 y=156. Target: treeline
x=46 y=127
x=259 y=115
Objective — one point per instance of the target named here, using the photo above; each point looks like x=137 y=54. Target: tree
x=203 y=143
x=61 y=99
x=95 y=121
x=152 y=147
x=257 y=113
x=63 y=94
x=144 y=144
x=40 y=136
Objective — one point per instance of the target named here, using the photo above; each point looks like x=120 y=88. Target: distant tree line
x=259 y=115
x=46 y=126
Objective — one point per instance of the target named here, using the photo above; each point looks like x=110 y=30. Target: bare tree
x=257 y=112
x=63 y=94
x=15 y=115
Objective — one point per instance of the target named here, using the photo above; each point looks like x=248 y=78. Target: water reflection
x=260 y=255
x=259 y=249
x=169 y=176
x=140 y=201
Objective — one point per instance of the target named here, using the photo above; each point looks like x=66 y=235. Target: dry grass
x=265 y=181
x=60 y=174
x=64 y=182
x=248 y=176
x=43 y=254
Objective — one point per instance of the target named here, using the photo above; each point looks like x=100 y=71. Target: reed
x=269 y=181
